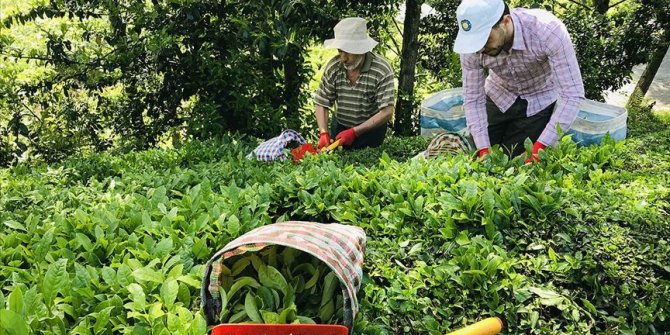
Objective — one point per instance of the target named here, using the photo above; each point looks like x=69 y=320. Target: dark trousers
x=510 y=129
x=372 y=139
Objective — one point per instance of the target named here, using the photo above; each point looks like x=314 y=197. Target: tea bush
x=576 y=244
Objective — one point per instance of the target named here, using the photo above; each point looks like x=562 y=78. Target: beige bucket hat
x=351 y=35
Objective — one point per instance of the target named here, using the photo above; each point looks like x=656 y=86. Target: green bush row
x=577 y=244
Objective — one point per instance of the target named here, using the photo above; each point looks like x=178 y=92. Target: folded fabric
x=273 y=149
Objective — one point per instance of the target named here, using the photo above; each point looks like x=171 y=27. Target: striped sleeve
x=326 y=94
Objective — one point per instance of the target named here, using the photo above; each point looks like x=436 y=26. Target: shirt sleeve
x=385 y=90
x=326 y=94
x=474 y=99
x=565 y=69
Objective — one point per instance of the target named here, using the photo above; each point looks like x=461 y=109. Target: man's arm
x=379 y=119
x=321 y=118
x=325 y=96
x=565 y=68
x=474 y=100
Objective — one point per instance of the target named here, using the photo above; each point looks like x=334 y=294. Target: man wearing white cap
x=531 y=62
x=360 y=83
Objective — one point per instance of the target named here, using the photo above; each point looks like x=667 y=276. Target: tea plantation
x=577 y=244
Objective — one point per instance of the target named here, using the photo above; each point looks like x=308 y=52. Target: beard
x=355 y=65
x=494 y=52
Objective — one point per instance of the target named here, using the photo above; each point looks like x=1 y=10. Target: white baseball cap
x=475 y=20
x=351 y=35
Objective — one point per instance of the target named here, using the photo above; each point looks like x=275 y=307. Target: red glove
x=483 y=152
x=537 y=146
x=346 y=137
x=324 y=140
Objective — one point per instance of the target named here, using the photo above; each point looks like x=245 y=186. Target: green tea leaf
x=16 y=300
x=224 y=304
x=289 y=255
x=543 y=293
x=267 y=297
x=55 y=280
x=199 y=325
x=462 y=238
x=241 y=283
x=147 y=274
x=163 y=248
x=44 y=245
x=102 y=319
x=271 y=277
x=331 y=282
x=14 y=225
x=108 y=275
x=169 y=291
x=552 y=301
x=84 y=241
x=305 y=320
x=256 y=262
x=184 y=295
x=124 y=275
x=326 y=311
x=312 y=281
x=589 y=306
x=187 y=279
x=288 y=314
x=137 y=295
x=534 y=317
x=12 y=323
x=240 y=265
x=239 y=317
x=270 y=317
x=252 y=309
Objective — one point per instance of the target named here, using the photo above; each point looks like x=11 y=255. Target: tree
x=405 y=121
x=661 y=10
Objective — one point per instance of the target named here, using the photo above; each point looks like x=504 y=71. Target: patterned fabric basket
x=447 y=144
x=341 y=247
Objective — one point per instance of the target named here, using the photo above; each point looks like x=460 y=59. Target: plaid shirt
x=273 y=149
x=540 y=67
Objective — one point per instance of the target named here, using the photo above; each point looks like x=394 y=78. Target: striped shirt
x=356 y=103
x=540 y=67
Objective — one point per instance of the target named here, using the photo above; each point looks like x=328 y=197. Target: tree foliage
x=197 y=68
x=91 y=75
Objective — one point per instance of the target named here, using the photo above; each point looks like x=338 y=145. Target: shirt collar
x=518 y=42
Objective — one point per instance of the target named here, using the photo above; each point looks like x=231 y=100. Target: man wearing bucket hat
x=360 y=83
x=531 y=63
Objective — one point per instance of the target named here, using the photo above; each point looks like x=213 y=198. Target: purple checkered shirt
x=540 y=67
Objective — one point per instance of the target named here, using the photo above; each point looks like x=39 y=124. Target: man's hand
x=346 y=137
x=324 y=140
x=483 y=152
x=537 y=146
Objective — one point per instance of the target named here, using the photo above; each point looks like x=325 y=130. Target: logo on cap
x=466 y=25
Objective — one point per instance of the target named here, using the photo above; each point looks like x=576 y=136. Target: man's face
x=496 y=42
x=351 y=61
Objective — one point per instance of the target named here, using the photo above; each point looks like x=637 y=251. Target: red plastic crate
x=270 y=329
